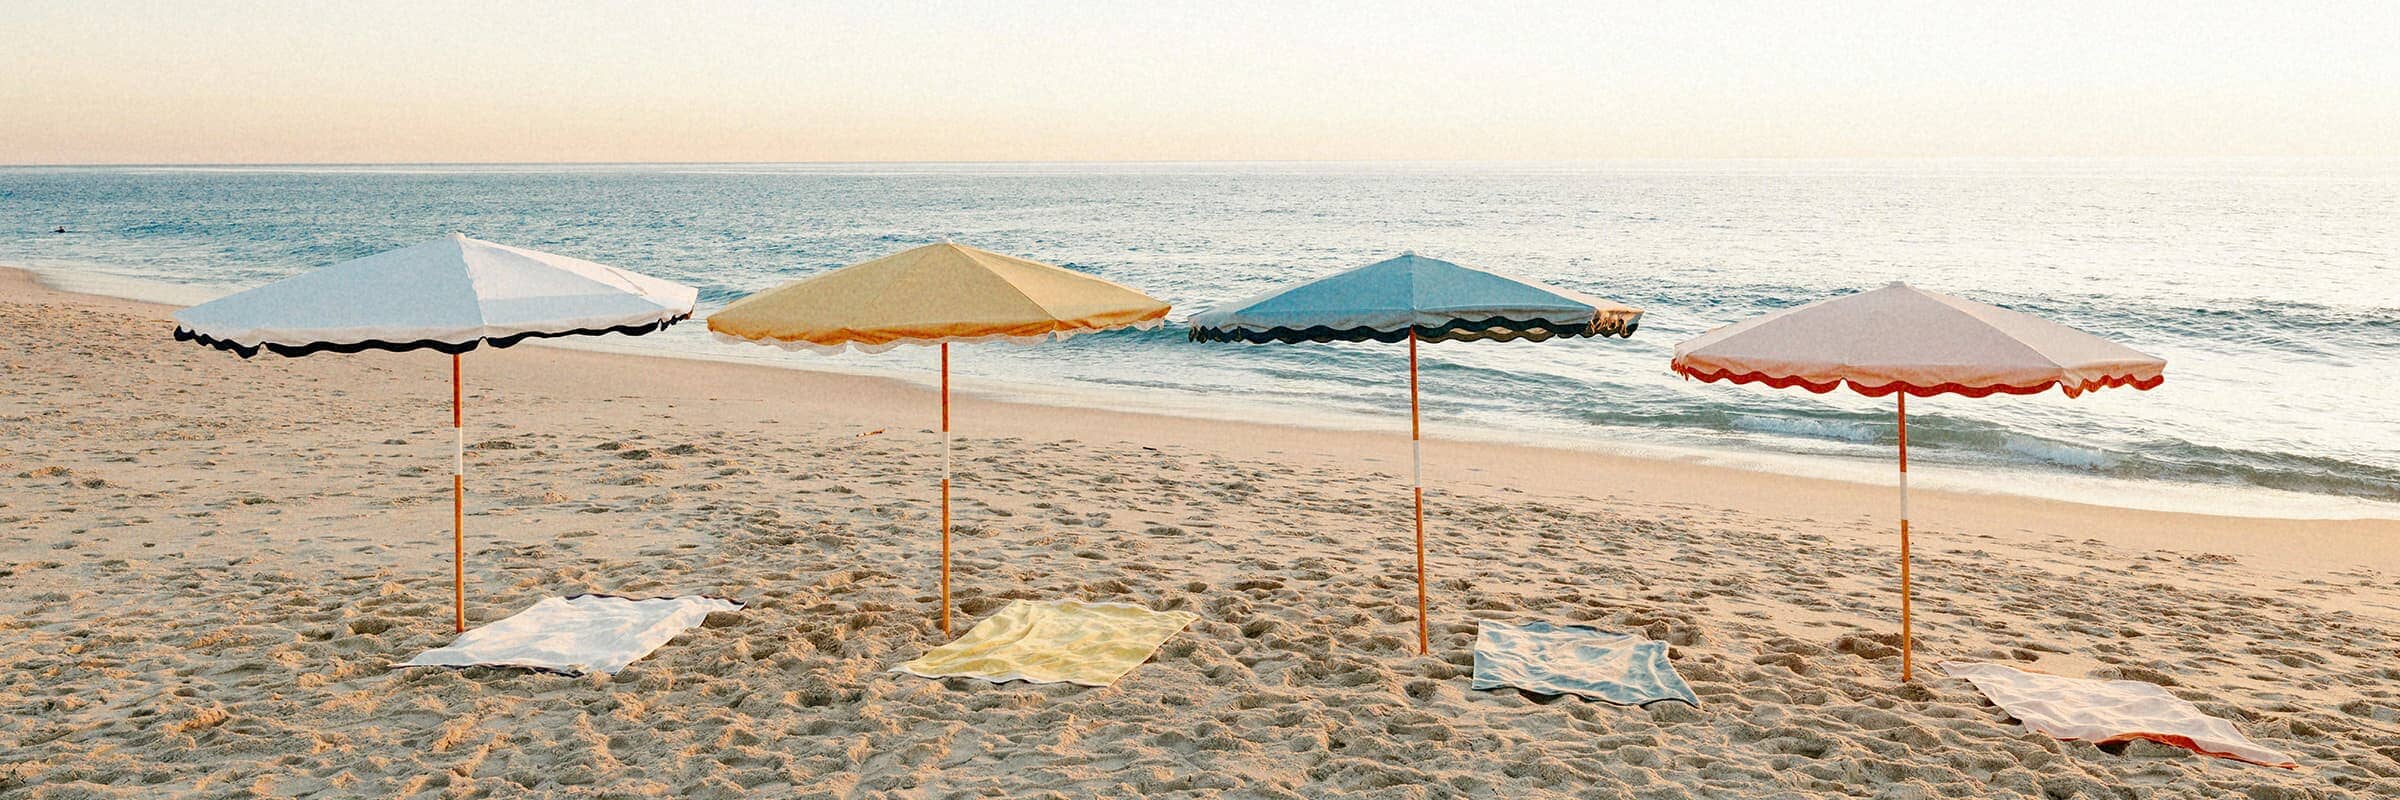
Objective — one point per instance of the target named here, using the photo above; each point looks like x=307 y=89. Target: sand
x=207 y=563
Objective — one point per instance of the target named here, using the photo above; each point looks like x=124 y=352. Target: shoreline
x=2297 y=543
x=1991 y=480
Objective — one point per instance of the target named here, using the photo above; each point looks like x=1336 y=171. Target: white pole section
x=458 y=499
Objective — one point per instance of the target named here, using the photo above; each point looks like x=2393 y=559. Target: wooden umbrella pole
x=1907 y=654
x=458 y=500
x=945 y=488
x=1416 y=483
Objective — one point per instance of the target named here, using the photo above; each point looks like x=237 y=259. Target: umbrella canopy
x=1904 y=340
x=1901 y=338
x=1437 y=300
x=451 y=294
x=1413 y=297
x=930 y=295
x=935 y=295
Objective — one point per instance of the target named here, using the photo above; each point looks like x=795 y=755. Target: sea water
x=2272 y=288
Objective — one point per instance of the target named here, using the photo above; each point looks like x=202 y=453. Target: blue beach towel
x=1574 y=659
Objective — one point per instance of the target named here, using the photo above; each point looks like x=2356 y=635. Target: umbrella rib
x=483 y=324
x=2063 y=368
x=1012 y=286
x=618 y=279
x=2020 y=344
x=627 y=283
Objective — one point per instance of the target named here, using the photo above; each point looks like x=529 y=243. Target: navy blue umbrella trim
x=454 y=348
x=1494 y=329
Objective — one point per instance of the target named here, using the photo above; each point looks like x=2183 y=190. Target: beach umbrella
x=1414 y=298
x=934 y=295
x=450 y=295
x=1903 y=340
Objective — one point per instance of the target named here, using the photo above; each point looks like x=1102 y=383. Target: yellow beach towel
x=1053 y=641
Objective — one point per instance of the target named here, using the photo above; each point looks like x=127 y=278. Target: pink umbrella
x=1899 y=339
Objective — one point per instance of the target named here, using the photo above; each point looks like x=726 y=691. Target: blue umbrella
x=1414 y=298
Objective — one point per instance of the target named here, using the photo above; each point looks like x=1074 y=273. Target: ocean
x=2272 y=287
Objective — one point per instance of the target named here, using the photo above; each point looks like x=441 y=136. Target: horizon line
x=897 y=162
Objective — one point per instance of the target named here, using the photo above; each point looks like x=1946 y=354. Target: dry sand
x=206 y=563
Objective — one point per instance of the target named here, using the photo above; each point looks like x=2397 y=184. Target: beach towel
x=1054 y=641
x=2102 y=712
x=1574 y=659
x=575 y=635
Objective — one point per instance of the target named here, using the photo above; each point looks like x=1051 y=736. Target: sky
x=267 y=82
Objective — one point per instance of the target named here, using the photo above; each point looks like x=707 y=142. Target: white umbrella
x=1903 y=340
x=452 y=295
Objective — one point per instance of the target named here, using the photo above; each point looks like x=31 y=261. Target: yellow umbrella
x=936 y=294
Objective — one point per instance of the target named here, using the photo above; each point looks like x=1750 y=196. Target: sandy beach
x=207 y=564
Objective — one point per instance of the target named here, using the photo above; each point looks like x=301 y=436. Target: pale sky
x=231 y=82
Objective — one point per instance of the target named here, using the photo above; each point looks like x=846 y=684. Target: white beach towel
x=2102 y=712
x=575 y=635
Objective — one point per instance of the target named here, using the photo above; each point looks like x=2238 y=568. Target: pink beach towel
x=2104 y=712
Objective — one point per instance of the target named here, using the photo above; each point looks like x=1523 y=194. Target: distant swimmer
x=60 y=229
